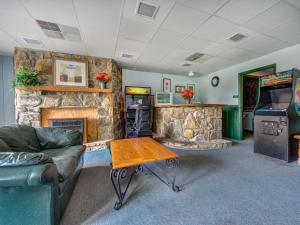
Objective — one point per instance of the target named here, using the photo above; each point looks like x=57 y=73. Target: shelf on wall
x=65 y=89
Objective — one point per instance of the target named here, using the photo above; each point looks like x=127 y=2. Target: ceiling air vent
x=48 y=25
x=146 y=9
x=194 y=57
x=32 y=41
x=186 y=64
x=59 y=31
x=237 y=37
x=125 y=55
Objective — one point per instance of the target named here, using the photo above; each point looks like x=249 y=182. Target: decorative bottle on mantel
x=102 y=78
x=187 y=95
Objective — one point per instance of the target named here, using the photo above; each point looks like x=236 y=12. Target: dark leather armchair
x=38 y=171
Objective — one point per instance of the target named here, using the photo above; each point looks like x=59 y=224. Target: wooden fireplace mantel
x=65 y=89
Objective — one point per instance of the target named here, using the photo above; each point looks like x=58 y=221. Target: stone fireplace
x=88 y=117
x=79 y=124
x=101 y=111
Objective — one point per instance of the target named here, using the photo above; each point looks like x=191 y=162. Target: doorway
x=248 y=97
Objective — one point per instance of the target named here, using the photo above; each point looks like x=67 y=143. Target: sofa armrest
x=51 y=138
x=32 y=175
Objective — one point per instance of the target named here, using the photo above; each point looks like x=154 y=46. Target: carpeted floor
x=228 y=186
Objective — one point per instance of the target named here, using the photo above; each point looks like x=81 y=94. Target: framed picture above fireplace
x=70 y=73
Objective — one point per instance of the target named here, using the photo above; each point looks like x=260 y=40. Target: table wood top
x=136 y=151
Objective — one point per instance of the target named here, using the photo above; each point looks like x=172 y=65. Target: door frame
x=241 y=94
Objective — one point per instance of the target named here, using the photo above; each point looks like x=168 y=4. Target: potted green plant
x=26 y=77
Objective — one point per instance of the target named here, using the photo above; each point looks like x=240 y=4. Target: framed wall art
x=166 y=85
x=179 y=88
x=70 y=73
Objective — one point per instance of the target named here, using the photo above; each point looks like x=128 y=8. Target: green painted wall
x=230 y=122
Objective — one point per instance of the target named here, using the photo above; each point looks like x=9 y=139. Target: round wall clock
x=215 y=81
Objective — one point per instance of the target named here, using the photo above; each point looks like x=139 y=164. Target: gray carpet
x=228 y=186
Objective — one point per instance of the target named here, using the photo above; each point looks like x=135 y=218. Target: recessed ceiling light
x=191 y=73
x=146 y=9
x=237 y=37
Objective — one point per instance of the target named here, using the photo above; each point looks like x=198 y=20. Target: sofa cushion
x=23 y=158
x=51 y=138
x=4 y=147
x=66 y=159
x=20 y=138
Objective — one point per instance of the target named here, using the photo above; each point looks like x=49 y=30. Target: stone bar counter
x=197 y=126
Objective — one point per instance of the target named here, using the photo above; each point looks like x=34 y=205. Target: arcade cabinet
x=277 y=115
x=138 y=112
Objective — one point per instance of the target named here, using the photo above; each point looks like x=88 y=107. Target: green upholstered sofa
x=38 y=171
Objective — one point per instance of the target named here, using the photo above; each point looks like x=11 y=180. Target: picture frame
x=179 y=88
x=191 y=87
x=167 y=85
x=70 y=73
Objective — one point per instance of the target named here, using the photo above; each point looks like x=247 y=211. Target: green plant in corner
x=26 y=77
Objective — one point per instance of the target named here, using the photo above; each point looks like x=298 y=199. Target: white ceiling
x=181 y=27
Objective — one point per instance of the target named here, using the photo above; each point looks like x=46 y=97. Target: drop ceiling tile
x=19 y=25
x=7 y=44
x=24 y=27
x=164 y=8
x=153 y=53
x=263 y=45
x=56 y=11
x=273 y=17
x=294 y=2
x=215 y=64
x=215 y=28
x=102 y=15
x=135 y=30
x=100 y=45
x=238 y=55
x=240 y=11
x=167 y=38
x=209 y=6
x=69 y=47
x=216 y=49
x=288 y=32
x=13 y=7
x=194 y=43
x=127 y=45
x=177 y=55
x=184 y=19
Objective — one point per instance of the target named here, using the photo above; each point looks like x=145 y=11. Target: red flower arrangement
x=187 y=95
x=102 y=77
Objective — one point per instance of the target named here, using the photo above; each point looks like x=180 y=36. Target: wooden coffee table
x=130 y=156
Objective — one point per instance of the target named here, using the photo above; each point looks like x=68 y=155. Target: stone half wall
x=29 y=104
x=188 y=123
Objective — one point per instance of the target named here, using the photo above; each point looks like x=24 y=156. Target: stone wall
x=110 y=111
x=188 y=124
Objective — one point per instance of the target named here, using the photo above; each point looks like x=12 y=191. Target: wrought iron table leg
x=116 y=177
x=172 y=164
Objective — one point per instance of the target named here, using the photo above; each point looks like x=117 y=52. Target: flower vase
x=188 y=101
x=101 y=85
